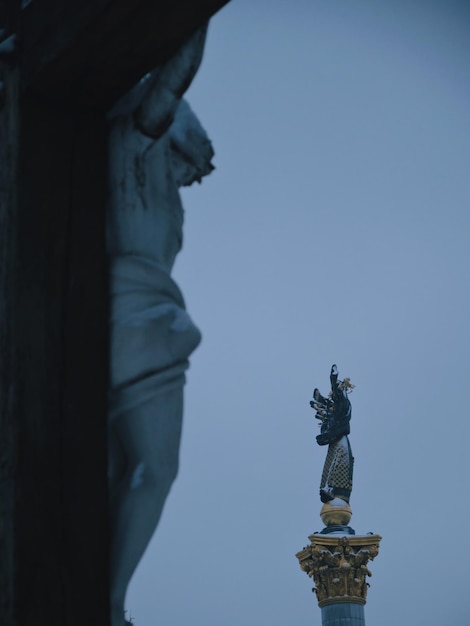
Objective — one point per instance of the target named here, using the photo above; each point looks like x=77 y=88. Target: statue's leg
x=149 y=436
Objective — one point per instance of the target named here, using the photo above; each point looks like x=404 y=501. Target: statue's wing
x=319 y=399
x=320 y=404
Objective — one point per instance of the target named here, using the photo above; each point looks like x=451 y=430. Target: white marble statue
x=156 y=145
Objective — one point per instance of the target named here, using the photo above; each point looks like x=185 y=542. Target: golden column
x=337 y=558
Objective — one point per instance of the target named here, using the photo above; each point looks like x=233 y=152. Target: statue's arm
x=334 y=378
x=167 y=86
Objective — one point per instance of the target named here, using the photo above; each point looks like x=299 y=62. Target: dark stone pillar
x=61 y=517
x=9 y=137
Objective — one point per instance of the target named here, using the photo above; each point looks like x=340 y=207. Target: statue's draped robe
x=338 y=469
x=151 y=333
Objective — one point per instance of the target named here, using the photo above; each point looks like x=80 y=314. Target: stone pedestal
x=337 y=563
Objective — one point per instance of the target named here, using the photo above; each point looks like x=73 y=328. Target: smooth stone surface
x=343 y=614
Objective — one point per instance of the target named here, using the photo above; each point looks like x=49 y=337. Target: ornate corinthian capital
x=338 y=566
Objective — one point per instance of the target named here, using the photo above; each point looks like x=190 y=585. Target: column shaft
x=342 y=614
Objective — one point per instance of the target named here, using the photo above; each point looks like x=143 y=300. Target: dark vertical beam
x=9 y=143
x=85 y=381
x=61 y=519
x=45 y=164
x=9 y=137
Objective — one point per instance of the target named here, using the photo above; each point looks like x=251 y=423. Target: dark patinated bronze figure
x=334 y=413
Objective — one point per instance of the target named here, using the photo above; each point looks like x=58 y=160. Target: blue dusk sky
x=335 y=229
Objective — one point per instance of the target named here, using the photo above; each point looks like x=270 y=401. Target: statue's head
x=346 y=385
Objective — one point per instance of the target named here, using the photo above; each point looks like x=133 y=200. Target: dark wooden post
x=75 y=59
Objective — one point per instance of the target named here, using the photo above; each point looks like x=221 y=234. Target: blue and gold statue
x=334 y=413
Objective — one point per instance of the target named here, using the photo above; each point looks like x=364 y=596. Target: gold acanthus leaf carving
x=339 y=567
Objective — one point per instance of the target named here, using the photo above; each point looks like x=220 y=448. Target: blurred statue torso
x=156 y=144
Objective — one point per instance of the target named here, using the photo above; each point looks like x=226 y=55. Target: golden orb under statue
x=336 y=512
